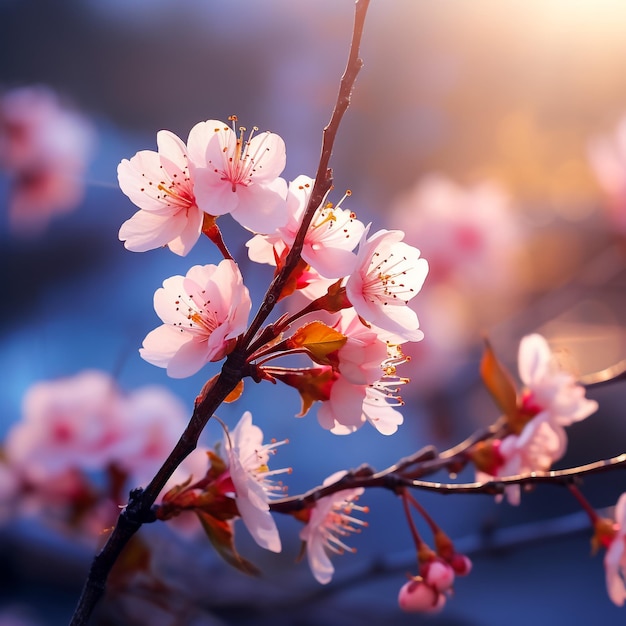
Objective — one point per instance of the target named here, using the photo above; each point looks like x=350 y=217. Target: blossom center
x=241 y=164
x=200 y=319
x=384 y=280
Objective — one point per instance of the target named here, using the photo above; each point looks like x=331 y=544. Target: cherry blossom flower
x=330 y=520
x=539 y=446
x=239 y=176
x=202 y=313
x=550 y=401
x=416 y=596
x=153 y=420
x=44 y=147
x=389 y=273
x=349 y=406
x=464 y=232
x=607 y=156
x=360 y=358
x=615 y=557
x=67 y=424
x=253 y=481
x=160 y=184
x=551 y=393
x=332 y=235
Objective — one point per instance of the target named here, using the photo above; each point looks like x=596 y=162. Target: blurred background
x=487 y=130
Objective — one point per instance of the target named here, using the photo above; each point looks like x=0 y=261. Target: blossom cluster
x=357 y=283
x=534 y=436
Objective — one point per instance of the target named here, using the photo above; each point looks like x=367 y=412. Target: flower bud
x=417 y=597
x=461 y=565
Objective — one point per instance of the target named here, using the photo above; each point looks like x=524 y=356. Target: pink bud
x=461 y=564
x=439 y=575
x=416 y=596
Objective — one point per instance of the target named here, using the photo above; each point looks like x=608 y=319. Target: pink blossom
x=160 y=184
x=607 y=156
x=389 y=273
x=360 y=358
x=202 y=313
x=72 y=423
x=540 y=444
x=551 y=392
x=248 y=458
x=153 y=421
x=416 y=596
x=615 y=557
x=465 y=233
x=551 y=400
x=332 y=235
x=45 y=147
x=330 y=520
x=350 y=406
x=239 y=176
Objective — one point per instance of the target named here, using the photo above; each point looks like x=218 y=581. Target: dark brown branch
x=139 y=509
x=393 y=480
x=554 y=477
x=323 y=177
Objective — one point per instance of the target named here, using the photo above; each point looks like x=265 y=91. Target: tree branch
x=139 y=508
x=323 y=178
x=394 y=480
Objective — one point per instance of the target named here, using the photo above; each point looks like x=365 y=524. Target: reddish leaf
x=313 y=384
x=220 y=533
x=499 y=382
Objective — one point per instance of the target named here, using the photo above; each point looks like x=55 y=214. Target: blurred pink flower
x=239 y=176
x=607 y=157
x=466 y=233
x=330 y=520
x=203 y=312
x=71 y=423
x=253 y=481
x=44 y=147
x=615 y=557
x=153 y=421
x=333 y=234
x=389 y=273
x=160 y=184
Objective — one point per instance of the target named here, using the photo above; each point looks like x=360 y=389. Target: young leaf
x=313 y=384
x=499 y=382
x=319 y=340
x=220 y=533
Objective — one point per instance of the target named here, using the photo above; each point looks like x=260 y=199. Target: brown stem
x=139 y=509
x=393 y=481
x=323 y=177
x=213 y=232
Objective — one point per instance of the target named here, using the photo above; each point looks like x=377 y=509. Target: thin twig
x=394 y=481
x=323 y=177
